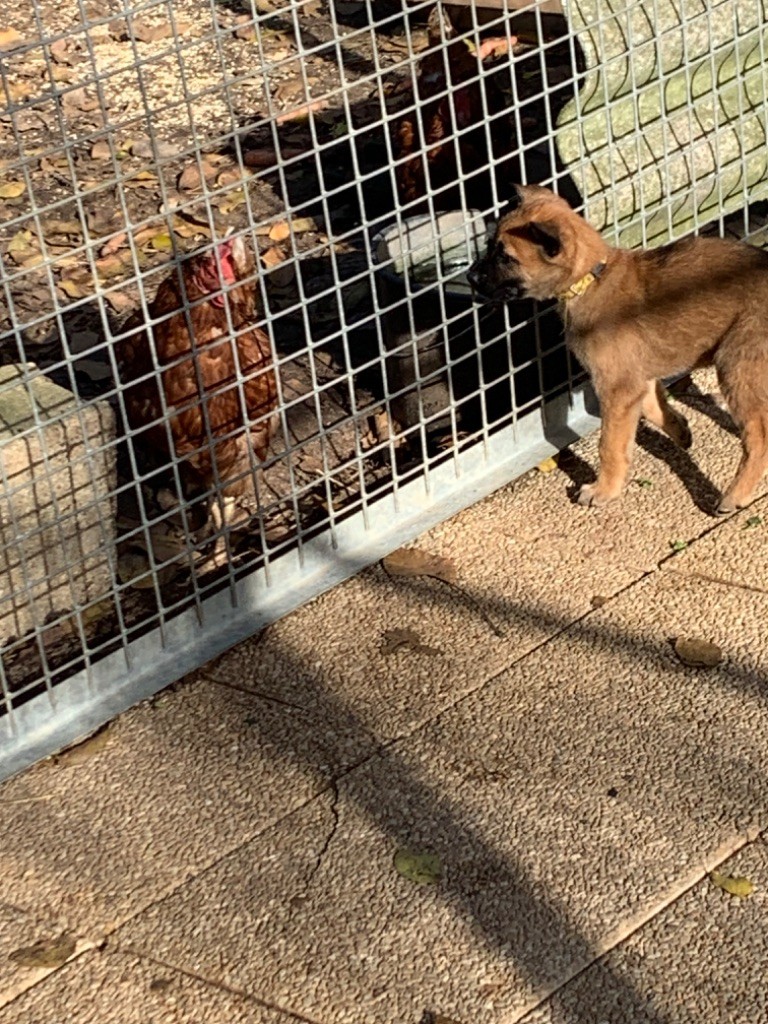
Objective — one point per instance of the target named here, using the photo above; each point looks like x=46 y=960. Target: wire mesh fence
x=240 y=356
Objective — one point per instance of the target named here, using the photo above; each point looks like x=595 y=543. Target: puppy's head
x=537 y=251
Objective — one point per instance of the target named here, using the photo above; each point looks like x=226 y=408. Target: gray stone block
x=57 y=515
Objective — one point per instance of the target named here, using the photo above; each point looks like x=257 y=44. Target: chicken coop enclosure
x=240 y=358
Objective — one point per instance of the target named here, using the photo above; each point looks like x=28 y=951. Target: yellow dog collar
x=580 y=286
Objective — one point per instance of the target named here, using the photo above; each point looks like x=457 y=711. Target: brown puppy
x=632 y=317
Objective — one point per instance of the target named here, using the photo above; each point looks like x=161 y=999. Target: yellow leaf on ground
x=75 y=289
x=21 y=247
x=10 y=38
x=12 y=189
x=735 y=885
x=548 y=465
x=162 y=242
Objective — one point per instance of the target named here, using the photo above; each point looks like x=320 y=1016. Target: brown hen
x=219 y=389
x=450 y=152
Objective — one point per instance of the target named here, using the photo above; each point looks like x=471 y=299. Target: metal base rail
x=84 y=702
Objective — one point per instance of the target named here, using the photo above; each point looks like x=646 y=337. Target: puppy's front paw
x=591 y=495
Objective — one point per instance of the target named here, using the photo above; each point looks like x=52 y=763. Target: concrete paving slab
x=112 y=988
x=703 y=959
x=92 y=838
x=732 y=557
x=569 y=800
x=528 y=563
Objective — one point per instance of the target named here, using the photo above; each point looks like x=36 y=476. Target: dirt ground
x=126 y=142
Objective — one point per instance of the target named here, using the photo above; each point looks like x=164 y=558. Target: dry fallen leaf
x=301 y=224
x=119 y=301
x=735 y=885
x=190 y=179
x=60 y=51
x=302 y=113
x=55 y=229
x=142 y=179
x=231 y=176
x=82 y=752
x=76 y=289
x=697 y=652
x=10 y=39
x=100 y=150
x=12 y=189
x=415 y=562
x=397 y=639
x=45 y=953
x=272 y=257
x=280 y=231
x=548 y=465
x=112 y=266
x=21 y=247
x=232 y=200
x=114 y=243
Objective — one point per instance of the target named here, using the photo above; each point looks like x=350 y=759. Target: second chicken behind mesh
x=458 y=123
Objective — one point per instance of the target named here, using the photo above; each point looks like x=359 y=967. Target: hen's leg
x=223 y=512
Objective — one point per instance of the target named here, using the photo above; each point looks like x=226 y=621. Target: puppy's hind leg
x=658 y=411
x=754 y=462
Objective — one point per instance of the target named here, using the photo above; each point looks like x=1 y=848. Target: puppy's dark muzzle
x=486 y=292
x=477 y=280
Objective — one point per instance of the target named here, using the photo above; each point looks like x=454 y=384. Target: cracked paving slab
x=107 y=987
x=91 y=838
x=570 y=800
x=702 y=959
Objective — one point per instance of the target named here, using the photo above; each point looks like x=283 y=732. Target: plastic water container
x=430 y=321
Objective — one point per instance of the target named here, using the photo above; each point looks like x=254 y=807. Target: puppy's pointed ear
x=546 y=234
x=513 y=201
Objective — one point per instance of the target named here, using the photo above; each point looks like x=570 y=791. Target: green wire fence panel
x=668 y=130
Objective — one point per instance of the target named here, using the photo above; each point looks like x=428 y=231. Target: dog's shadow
x=689 y=393
x=701 y=489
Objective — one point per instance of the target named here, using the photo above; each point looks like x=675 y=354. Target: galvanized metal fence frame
x=402 y=479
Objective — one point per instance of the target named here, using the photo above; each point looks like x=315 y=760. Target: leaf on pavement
x=397 y=639
x=422 y=868
x=548 y=465
x=415 y=562
x=82 y=752
x=733 y=884
x=45 y=953
x=699 y=653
